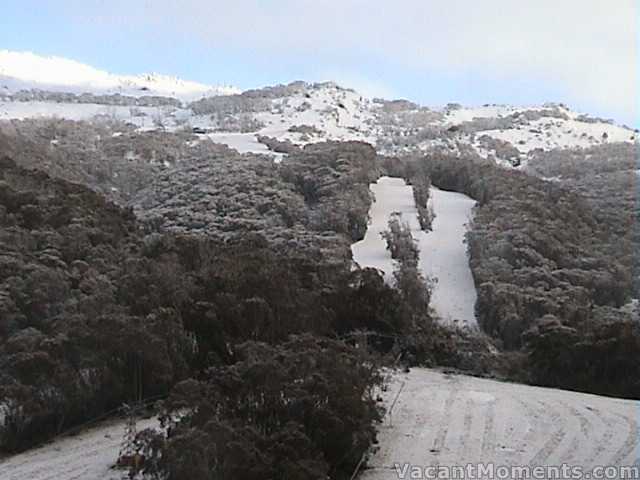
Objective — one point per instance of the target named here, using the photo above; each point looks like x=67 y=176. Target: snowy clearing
x=243 y=143
x=86 y=456
x=390 y=195
x=441 y=419
x=443 y=254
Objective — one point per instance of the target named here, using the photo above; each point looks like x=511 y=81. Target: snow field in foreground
x=454 y=420
x=443 y=254
x=86 y=456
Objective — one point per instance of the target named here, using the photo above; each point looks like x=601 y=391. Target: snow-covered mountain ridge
x=296 y=114
x=26 y=70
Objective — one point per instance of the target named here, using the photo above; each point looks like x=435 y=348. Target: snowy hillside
x=455 y=420
x=294 y=114
x=26 y=70
x=309 y=113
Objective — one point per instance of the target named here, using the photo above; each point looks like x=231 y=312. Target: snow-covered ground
x=465 y=114
x=86 y=456
x=391 y=195
x=243 y=143
x=549 y=133
x=26 y=70
x=443 y=254
x=142 y=117
x=336 y=113
x=455 y=420
x=436 y=419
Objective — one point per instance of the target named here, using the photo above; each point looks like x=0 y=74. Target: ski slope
x=86 y=456
x=449 y=420
x=443 y=254
x=390 y=195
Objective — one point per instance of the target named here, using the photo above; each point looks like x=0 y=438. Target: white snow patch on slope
x=86 y=456
x=466 y=114
x=454 y=420
x=338 y=114
x=443 y=254
x=549 y=133
x=26 y=70
x=391 y=195
x=80 y=111
x=243 y=143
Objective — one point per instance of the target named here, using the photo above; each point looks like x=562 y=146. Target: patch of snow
x=78 y=111
x=455 y=420
x=88 y=455
x=466 y=114
x=244 y=143
x=391 y=195
x=549 y=133
x=443 y=256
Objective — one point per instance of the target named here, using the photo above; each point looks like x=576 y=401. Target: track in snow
x=449 y=420
x=86 y=456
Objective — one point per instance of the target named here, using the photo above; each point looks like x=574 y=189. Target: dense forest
x=100 y=307
x=110 y=157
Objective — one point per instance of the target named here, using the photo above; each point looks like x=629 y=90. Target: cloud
x=586 y=48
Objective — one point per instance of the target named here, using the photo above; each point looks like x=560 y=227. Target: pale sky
x=580 y=52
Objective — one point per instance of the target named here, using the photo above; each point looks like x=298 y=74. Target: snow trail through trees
x=391 y=195
x=443 y=254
